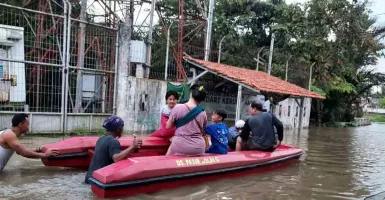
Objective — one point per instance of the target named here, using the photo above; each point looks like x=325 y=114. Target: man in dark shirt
x=107 y=149
x=261 y=126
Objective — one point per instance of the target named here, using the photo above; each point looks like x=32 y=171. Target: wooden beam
x=197 y=77
x=239 y=102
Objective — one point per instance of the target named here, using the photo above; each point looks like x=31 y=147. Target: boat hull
x=77 y=151
x=135 y=176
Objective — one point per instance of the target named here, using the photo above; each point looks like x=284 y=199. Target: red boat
x=148 y=170
x=77 y=151
x=154 y=173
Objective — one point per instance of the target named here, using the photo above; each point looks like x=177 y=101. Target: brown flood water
x=337 y=164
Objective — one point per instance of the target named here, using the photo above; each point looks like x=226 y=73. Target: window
x=143 y=104
x=288 y=111
x=304 y=111
x=280 y=110
x=296 y=111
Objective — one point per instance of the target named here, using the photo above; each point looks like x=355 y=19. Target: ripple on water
x=66 y=186
x=337 y=164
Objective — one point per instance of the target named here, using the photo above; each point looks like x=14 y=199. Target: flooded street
x=338 y=164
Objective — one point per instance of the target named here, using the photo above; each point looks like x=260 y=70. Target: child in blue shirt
x=218 y=132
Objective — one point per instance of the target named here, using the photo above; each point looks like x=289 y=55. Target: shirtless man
x=9 y=142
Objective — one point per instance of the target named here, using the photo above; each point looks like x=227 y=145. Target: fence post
x=116 y=72
x=64 y=70
x=67 y=64
x=80 y=64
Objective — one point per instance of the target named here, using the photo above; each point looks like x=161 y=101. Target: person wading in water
x=9 y=142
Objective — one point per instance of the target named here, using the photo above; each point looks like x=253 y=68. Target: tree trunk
x=319 y=112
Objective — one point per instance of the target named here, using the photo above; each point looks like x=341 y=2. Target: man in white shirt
x=266 y=105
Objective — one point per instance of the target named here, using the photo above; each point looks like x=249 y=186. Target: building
x=233 y=88
x=12 y=74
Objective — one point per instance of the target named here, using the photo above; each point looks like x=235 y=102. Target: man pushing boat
x=107 y=149
x=9 y=142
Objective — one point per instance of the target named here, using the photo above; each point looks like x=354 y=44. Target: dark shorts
x=248 y=145
x=233 y=142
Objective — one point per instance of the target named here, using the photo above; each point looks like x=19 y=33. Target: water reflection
x=337 y=164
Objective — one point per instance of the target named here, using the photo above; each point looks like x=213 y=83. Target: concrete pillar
x=124 y=68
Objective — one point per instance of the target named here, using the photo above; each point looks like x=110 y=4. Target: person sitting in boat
x=171 y=99
x=9 y=142
x=261 y=126
x=107 y=148
x=218 y=132
x=234 y=133
x=189 y=119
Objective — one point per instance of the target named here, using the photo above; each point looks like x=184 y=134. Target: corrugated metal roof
x=256 y=79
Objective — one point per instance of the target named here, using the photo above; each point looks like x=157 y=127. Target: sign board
x=228 y=102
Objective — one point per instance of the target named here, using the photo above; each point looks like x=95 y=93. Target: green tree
x=337 y=36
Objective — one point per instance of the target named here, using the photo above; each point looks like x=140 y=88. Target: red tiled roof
x=256 y=79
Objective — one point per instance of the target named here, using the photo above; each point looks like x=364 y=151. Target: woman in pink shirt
x=188 y=139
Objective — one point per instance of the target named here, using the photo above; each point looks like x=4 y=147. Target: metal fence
x=297 y=70
x=59 y=64
x=51 y=62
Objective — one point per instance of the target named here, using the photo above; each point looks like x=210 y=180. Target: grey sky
x=378 y=8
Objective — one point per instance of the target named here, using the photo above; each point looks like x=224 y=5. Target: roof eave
x=315 y=96
x=225 y=77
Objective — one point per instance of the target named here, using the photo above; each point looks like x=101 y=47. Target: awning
x=257 y=80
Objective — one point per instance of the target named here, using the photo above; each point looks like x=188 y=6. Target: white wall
x=375 y=110
x=292 y=121
x=51 y=123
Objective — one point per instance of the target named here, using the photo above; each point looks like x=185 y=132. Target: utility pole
x=149 y=42
x=80 y=64
x=209 y=30
x=311 y=74
x=124 y=69
x=220 y=49
x=271 y=52
x=287 y=67
x=167 y=51
x=220 y=45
